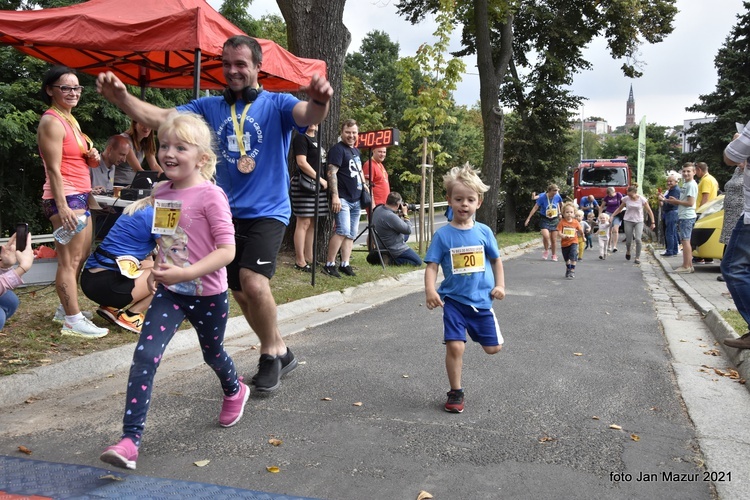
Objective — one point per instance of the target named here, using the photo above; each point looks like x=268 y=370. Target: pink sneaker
x=232 y=408
x=554 y=258
x=123 y=454
x=545 y=255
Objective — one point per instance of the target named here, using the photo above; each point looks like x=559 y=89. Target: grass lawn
x=735 y=321
x=30 y=338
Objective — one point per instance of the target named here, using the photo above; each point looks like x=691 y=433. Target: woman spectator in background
x=610 y=203
x=10 y=277
x=306 y=156
x=733 y=205
x=67 y=154
x=634 y=206
x=143 y=145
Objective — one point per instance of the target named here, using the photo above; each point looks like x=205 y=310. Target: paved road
x=619 y=345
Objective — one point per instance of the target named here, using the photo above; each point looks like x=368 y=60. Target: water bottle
x=64 y=235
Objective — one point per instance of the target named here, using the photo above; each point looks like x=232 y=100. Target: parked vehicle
x=593 y=177
x=705 y=236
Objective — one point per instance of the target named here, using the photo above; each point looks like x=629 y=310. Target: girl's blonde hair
x=139 y=204
x=467 y=176
x=192 y=129
x=604 y=215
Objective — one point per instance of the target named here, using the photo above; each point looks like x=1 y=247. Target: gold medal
x=245 y=164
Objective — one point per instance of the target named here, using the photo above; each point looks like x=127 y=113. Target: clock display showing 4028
x=378 y=138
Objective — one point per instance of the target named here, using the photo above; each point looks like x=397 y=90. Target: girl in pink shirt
x=192 y=217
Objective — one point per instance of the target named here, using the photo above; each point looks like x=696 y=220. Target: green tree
x=546 y=38
x=729 y=102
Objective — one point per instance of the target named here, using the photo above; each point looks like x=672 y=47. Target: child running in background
x=583 y=239
x=192 y=202
x=570 y=231
x=603 y=234
x=591 y=221
x=473 y=273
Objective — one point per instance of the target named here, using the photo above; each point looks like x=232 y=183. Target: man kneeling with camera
x=392 y=228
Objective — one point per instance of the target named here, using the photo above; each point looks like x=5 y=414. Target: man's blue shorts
x=481 y=324
x=685 y=228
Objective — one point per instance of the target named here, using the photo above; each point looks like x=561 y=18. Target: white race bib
x=465 y=260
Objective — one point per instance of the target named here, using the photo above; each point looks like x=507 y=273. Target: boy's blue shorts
x=481 y=324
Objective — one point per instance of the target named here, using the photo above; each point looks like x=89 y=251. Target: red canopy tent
x=150 y=43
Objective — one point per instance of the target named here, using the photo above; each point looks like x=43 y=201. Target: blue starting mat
x=24 y=478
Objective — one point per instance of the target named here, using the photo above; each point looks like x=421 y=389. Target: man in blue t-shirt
x=253 y=131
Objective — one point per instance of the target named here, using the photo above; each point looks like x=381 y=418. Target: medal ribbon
x=77 y=132
x=239 y=128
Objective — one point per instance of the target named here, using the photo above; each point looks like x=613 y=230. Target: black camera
x=409 y=206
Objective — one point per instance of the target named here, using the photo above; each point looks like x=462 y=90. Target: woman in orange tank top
x=68 y=155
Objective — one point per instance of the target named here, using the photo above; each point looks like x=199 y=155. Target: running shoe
x=84 y=328
x=545 y=255
x=455 y=403
x=347 y=270
x=132 y=322
x=269 y=373
x=108 y=313
x=59 y=316
x=233 y=407
x=124 y=454
x=331 y=271
x=554 y=258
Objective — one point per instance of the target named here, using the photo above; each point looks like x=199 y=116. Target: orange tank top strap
x=84 y=142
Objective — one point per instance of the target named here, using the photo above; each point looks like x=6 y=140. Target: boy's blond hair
x=579 y=213
x=467 y=176
x=566 y=205
x=192 y=129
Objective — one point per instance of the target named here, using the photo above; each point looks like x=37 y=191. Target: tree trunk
x=315 y=30
x=492 y=65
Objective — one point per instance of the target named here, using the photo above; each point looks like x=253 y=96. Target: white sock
x=72 y=320
x=344 y=264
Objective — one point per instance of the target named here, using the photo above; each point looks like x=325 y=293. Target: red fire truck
x=595 y=176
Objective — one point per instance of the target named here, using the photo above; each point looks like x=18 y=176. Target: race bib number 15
x=166 y=216
x=466 y=260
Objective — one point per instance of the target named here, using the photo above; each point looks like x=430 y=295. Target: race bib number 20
x=466 y=260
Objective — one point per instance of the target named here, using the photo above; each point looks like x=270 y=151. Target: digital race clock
x=378 y=138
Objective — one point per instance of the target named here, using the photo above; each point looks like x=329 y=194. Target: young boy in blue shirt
x=468 y=253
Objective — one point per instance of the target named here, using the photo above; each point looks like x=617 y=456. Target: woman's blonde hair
x=467 y=176
x=192 y=129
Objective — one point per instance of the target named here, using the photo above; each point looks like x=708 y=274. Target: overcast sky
x=676 y=71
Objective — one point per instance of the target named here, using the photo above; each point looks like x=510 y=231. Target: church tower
x=630 y=110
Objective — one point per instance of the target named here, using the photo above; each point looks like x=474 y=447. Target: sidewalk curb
x=17 y=388
x=719 y=328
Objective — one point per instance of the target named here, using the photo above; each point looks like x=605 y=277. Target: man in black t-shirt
x=345 y=184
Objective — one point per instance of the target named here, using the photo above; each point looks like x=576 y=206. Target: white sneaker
x=60 y=314
x=84 y=328
x=684 y=270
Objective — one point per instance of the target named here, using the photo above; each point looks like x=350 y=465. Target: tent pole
x=197 y=75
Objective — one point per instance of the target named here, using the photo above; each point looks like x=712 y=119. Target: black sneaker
x=455 y=403
x=347 y=270
x=331 y=271
x=269 y=373
x=288 y=362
